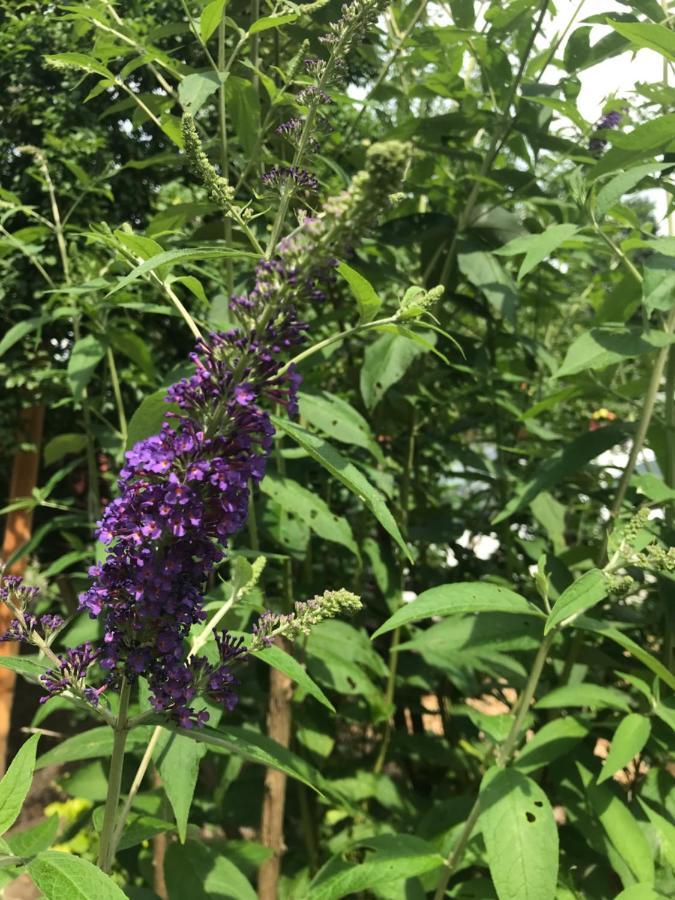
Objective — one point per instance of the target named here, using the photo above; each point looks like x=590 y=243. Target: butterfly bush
x=184 y=492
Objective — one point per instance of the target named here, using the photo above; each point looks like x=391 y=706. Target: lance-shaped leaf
x=16 y=783
x=277 y=658
x=367 y=300
x=629 y=739
x=455 y=599
x=537 y=247
x=520 y=836
x=346 y=472
x=581 y=595
x=60 y=875
x=256 y=748
x=392 y=857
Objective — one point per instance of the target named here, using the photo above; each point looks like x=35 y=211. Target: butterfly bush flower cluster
x=609 y=122
x=184 y=492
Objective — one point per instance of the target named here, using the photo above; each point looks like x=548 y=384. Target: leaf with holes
x=520 y=836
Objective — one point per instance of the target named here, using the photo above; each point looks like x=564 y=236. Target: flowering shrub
x=396 y=320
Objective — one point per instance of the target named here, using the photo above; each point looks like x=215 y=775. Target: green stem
x=616 y=250
x=121 y=415
x=503 y=757
x=252 y=521
x=315 y=348
x=120 y=730
x=175 y=300
x=458 y=851
x=133 y=790
x=224 y=154
x=645 y=418
x=499 y=138
x=396 y=637
x=384 y=71
x=255 y=43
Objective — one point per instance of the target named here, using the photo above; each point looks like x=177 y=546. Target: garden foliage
x=352 y=567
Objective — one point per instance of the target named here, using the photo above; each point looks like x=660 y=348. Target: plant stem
x=458 y=851
x=498 y=140
x=118 y=396
x=135 y=786
x=224 y=154
x=384 y=71
x=315 y=348
x=645 y=418
x=503 y=757
x=173 y=297
x=396 y=637
x=106 y=850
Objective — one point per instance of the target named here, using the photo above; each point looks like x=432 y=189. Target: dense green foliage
x=517 y=636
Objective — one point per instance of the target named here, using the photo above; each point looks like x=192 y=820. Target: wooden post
x=17 y=532
x=272 y=820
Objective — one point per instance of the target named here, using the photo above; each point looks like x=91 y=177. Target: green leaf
x=272 y=22
x=605 y=346
x=658 y=284
x=138 y=828
x=135 y=349
x=16 y=783
x=520 y=836
x=36 y=839
x=551 y=515
x=149 y=416
x=367 y=300
x=647 y=34
x=284 y=662
x=629 y=739
x=314 y=511
x=384 y=363
x=194 y=90
x=485 y=272
x=594 y=696
x=256 y=748
x=581 y=595
x=63 y=445
x=24 y=665
x=644 y=142
x=455 y=599
x=19 y=331
x=210 y=18
x=640 y=892
x=243 y=105
x=613 y=634
x=346 y=472
x=78 y=61
x=178 y=759
x=171 y=257
x=336 y=418
x=394 y=857
x=86 y=354
x=204 y=873
x=551 y=741
x=97 y=742
x=620 y=826
x=59 y=875
x=665 y=830
x=537 y=247
x=619 y=185
x=564 y=462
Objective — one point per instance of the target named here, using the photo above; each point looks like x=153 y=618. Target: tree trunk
x=17 y=533
x=272 y=819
